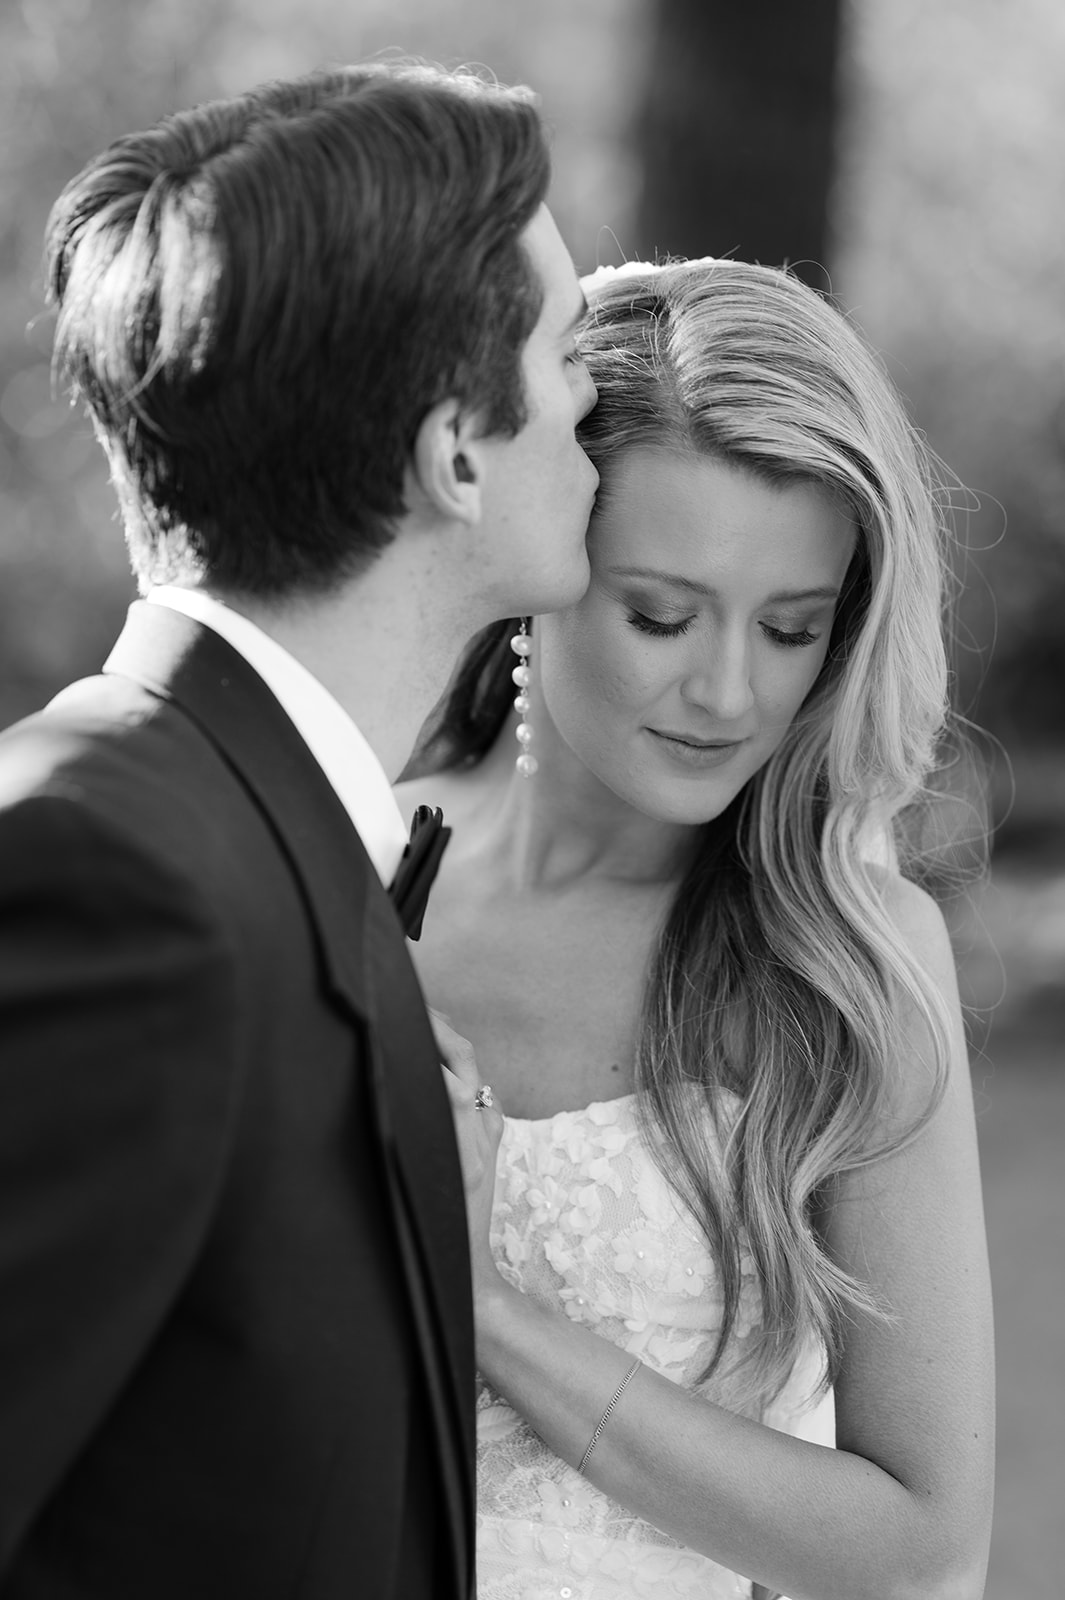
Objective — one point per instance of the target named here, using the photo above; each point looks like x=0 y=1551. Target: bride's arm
x=902 y=1506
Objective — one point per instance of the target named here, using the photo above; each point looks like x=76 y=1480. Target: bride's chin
x=695 y=811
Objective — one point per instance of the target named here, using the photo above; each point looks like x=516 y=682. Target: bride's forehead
x=661 y=507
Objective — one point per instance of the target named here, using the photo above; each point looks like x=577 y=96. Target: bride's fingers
x=463 y=1097
x=456 y=1053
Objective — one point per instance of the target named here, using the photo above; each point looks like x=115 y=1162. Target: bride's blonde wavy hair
x=778 y=974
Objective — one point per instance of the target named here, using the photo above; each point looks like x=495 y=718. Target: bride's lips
x=698 y=754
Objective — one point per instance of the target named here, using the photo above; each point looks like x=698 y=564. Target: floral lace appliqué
x=584 y=1221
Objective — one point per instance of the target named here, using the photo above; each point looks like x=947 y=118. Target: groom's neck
x=383 y=648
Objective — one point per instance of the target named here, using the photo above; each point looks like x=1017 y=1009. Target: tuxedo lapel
x=368 y=968
x=185 y=662
x=424 y=1174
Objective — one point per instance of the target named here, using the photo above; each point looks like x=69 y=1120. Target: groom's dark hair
x=261 y=298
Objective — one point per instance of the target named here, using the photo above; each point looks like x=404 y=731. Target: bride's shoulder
x=914 y=915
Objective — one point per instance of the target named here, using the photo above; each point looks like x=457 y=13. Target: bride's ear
x=448 y=463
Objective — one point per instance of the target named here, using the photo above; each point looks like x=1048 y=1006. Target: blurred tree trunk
x=736 y=131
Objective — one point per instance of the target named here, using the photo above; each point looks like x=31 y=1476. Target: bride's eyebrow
x=676 y=581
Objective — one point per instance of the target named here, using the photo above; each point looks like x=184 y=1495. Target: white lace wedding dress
x=584 y=1221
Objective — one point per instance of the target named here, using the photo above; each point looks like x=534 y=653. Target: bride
x=737 y=1168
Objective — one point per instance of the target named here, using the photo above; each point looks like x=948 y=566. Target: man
x=325 y=332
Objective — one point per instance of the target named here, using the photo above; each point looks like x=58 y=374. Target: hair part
x=260 y=299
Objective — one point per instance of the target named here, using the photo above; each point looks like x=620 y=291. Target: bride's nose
x=719 y=680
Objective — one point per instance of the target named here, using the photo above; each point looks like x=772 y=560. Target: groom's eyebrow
x=579 y=314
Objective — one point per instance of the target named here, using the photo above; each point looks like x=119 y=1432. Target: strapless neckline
x=577 y=1111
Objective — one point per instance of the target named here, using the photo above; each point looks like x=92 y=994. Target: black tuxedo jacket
x=236 y=1344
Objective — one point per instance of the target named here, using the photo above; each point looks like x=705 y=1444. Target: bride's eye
x=791 y=641
x=657 y=629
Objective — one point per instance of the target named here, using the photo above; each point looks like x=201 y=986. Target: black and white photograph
x=532 y=800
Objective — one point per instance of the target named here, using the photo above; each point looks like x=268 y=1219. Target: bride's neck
x=563 y=824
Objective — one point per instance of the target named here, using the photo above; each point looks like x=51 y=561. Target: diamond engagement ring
x=483 y=1098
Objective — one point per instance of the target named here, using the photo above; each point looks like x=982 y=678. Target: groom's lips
x=696 y=754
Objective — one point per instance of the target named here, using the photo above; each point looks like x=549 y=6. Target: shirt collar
x=331 y=736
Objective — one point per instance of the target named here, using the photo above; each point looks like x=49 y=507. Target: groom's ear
x=447 y=463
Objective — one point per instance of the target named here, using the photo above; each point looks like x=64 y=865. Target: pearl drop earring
x=521 y=645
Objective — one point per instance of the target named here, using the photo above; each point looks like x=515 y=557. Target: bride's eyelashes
x=790 y=640
x=658 y=629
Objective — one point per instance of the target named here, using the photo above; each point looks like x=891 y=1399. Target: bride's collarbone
x=595 y=912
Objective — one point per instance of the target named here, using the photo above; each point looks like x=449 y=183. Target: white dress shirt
x=331 y=736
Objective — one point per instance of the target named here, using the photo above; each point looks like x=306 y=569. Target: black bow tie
x=417 y=869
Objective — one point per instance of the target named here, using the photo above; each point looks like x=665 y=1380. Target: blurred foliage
x=946 y=242
x=950 y=250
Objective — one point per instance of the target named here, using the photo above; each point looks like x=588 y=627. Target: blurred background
x=907 y=156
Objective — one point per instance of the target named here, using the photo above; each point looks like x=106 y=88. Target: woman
x=738 y=1165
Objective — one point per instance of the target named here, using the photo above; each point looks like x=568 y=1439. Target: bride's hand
x=478 y=1130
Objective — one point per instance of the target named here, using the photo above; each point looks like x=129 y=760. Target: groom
x=325 y=332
